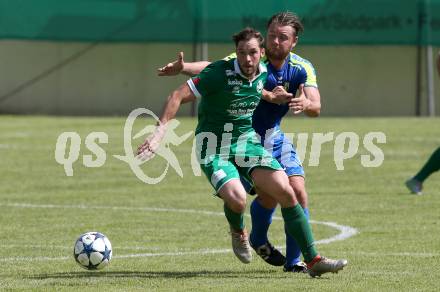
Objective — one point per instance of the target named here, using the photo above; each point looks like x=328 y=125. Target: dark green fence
x=370 y=22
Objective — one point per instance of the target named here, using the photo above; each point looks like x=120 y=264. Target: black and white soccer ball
x=92 y=251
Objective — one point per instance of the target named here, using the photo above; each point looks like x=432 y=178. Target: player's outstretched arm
x=278 y=95
x=180 y=96
x=180 y=67
x=308 y=100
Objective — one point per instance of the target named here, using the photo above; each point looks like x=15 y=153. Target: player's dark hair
x=247 y=34
x=287 y=18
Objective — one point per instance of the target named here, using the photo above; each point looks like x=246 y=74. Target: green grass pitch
x=169 y=236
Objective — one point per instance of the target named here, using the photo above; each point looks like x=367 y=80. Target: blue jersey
x=294 y=72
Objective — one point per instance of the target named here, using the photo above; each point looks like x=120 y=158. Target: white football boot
x=240 y=245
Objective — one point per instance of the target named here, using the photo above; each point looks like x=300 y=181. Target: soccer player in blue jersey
x=286 y=71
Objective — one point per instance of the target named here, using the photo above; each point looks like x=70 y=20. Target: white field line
x=49 y=246
x=206 y=251
x=396 y=254
x=344 y=231
x=210 y=251
x=16 y=135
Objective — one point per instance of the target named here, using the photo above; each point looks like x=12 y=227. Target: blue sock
x=293 y=253
x=261 y=219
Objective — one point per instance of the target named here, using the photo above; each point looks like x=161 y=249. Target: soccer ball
x=92 y=251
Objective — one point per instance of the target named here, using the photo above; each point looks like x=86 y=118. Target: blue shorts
x=285 y=153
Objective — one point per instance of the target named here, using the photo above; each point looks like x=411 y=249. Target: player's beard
x=276 y=55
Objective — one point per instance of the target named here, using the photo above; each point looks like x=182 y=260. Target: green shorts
x=243 y=157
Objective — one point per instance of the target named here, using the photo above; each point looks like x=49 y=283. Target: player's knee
x=284 y=184
x=285 y=195
x=238 y=204
x=267 y=201
x=301 y=195
x=289 y=193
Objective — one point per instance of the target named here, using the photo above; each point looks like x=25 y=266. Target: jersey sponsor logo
x=239 y=105
x=244 y=104
x=236 y=89
x=254 y=104
x=235 y=82
x=242 y=108
x=260 y=86
x=240 y=112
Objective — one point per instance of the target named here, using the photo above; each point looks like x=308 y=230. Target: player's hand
x=172 y=68
x=300 y=103
x=148 y=149
x=281 y=95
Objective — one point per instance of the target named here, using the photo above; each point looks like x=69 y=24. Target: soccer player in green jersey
x=415 y=184
x=227 y=146
x=288 y=69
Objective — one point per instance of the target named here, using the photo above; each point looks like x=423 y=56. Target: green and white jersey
x=227 y=96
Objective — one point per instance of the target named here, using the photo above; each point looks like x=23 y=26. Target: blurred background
x=99 y=57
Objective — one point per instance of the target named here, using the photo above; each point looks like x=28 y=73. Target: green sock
x=236 y=220
x=432 y=165
x=298 y=227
